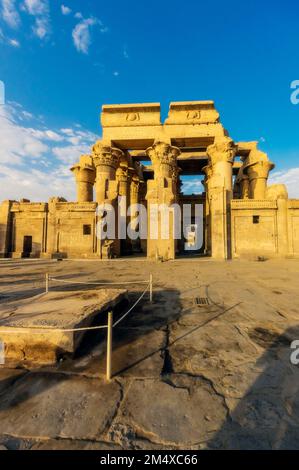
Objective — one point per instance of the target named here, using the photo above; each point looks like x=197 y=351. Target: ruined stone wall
x=293 y=226
x=5 y=228
x=265 y=228
x=43 y=230
x=28 y=229
x=71 y=229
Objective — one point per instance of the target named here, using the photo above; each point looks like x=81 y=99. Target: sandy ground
x=206 y=365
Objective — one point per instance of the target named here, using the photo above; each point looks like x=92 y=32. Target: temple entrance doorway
x=192 y=193
x=27 y=246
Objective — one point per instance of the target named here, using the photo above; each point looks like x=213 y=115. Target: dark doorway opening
x=27 y=246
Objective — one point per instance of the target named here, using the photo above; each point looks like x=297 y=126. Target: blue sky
x=61 y=60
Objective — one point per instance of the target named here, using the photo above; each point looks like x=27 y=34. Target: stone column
x=84 y=172
x=206 y=182
x=257 y=167
x=221 y=157
x=162 y=190
x=106 y=160
x=122 y=178
x=134 y=199
x=243 y=184
x=123 y=191
x=5 y=228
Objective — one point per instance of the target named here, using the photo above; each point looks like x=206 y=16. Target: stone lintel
x=140 y=155
x=126 y=115
x=244 y=148
x=192 y=112
x=76 y=206
x=253 y=204
x=29 y=207
x=139 y=137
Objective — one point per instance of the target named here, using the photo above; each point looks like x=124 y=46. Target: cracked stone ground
x=186 y=375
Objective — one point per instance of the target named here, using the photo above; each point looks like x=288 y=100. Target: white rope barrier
x=73 y=330
x=109 y=327
x=134 y=305
x=26 y=329
x=65 y=281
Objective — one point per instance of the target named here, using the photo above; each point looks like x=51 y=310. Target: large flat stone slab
x=36 y=330
x=53 y=405
x=183 y=412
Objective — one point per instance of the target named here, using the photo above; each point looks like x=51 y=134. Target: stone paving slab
x=53 y=405
x=183 y=411
x=53 y=313
x=219 y=380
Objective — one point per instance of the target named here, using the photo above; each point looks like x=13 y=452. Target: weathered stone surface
x=183 y=411
x=35 y=330
x=233 y=356
x=66 y=444
x=55 y=405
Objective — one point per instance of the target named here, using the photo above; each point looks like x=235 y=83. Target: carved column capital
x=162 y=153
x=84 y=170
x=122 y=174
x=223 y=150
x=105 y=155
x=257 y=167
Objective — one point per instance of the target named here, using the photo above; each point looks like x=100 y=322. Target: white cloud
x=36 y=7
x=116 y=74
x=81 y=33
x=8 y=41
x=35 y=185
x=288 y=177
x=78 y=15
x=67 y=131
x=125 y=52
x=14 y=42
x=65 y=10
x=35 y=160
x=192 y=186
x=40 y=10
x=41 y=27
x=10 y=13
x=17 y=142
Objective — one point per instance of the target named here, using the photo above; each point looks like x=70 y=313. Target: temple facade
x=145 y=160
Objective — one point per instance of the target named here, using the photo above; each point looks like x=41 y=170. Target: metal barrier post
x=47 y=283
x=109 y=346
x=151 y=288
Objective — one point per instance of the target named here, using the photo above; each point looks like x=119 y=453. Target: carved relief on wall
x=131 y=117
x=191 y=115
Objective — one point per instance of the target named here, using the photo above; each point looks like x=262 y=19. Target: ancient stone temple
x=145 y=160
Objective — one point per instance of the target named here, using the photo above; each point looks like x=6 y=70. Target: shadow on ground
x=267 y=417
